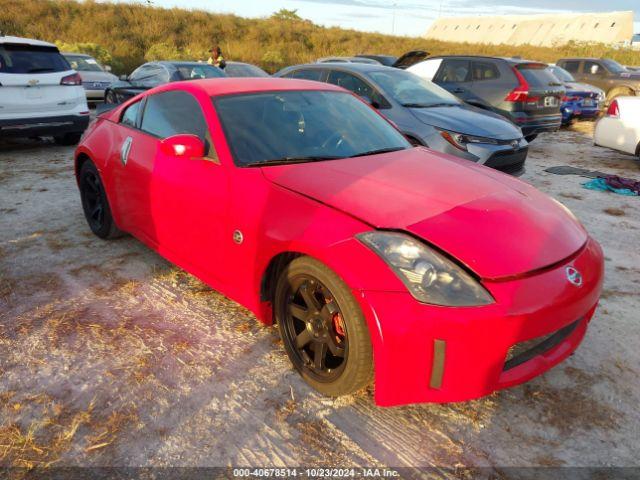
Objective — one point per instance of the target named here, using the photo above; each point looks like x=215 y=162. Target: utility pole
x=393 y=21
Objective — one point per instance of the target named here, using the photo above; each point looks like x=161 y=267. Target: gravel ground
x=110 y=356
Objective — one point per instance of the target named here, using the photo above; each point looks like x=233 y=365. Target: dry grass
x=145 y=32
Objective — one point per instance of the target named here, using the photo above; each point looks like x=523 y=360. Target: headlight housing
x=461 y=141
x=430 y=276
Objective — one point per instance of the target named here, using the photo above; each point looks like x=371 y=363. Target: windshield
x=410 y=90
x=198 y=71
x=304 y=125
x=561 y=74
x=83 y=64
x=244 y=70
x=614 y=67
x=31 y=59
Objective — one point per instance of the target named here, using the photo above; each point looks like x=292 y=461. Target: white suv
x=40 y=95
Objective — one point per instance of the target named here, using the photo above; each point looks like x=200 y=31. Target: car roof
x=228 y=86
x=76 y=54
x=24 y=41
x=173 y=63
x=589 y=59
x=512 y=60
x=355 y=67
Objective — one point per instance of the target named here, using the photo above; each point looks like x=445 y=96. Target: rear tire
x=531 y=138
x=95 y=204
x=67 y=139
x=332 y=323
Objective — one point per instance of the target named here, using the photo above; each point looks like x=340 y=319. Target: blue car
x=580 y=100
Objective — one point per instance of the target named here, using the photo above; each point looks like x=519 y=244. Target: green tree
x=287 y=15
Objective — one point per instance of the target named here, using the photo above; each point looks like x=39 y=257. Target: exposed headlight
x=429 y=276
x=460 y=141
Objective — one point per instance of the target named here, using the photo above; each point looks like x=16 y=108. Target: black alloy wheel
x=95 y=204
x=323 y=329
x=314 y=324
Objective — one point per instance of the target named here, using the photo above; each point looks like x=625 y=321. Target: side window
x=571 y=66
x=351 y=83
x=485 y=71
x=454 y=71
x=130 y=115
x=171 y=113
x=308 y=74
x=593 y=68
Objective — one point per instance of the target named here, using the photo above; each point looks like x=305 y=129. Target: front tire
x=531 y=138
x=323 y=329
x=95 y=204
x=110 y=97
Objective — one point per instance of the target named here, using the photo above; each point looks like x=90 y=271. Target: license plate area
x=551 y=101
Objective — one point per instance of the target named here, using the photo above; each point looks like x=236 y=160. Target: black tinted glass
x=171 y=113
x=571 y=66
x=300 y=124
x=240 y=70
x=454 y=71
x=538 y=75
x=562 y=74
x=485 y=71
x=351 y=83
x=198 y=72
x=314 y=74
x=30 y=59
x=410 y=90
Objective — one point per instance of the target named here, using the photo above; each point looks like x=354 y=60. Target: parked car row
x=483 y=109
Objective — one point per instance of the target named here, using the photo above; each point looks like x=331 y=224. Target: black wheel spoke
x=306 y=290
x=303 y=338
x=97 y=210
x=329 y=310
x=335 y=349
x=298 y=312
x=319 y=355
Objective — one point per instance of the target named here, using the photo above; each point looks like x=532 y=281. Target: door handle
x=124 y=150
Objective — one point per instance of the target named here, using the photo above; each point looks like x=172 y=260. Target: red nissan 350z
x=439 y=279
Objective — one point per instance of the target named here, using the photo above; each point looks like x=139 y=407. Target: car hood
x=98 y=77
x=496 y=225
x=468 y=120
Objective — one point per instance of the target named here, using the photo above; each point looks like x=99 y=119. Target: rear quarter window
x=538 y=75
x=25 y=59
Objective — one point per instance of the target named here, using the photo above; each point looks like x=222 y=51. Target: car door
x=594 y=73
x=454 y=75
x=132 y=168
x=188 y=197
x=489 y=86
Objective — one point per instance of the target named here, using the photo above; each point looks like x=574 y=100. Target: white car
x=95 y=77
x=40 y=95
x=619 y=128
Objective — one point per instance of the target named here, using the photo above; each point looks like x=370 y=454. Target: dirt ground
x=110 y=356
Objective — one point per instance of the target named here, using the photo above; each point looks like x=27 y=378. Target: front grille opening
x=524 y=351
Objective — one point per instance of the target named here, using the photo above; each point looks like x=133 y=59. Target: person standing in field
x=216 y=58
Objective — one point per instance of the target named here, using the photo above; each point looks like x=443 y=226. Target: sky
x=402 y=17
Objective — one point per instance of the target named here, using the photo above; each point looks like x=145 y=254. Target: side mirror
x=107 y=68
x=124 y=78
x=183 y=145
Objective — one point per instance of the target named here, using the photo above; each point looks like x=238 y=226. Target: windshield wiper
x=40 y=70
x=290 y=160
x=378 y=151
x=429 y=105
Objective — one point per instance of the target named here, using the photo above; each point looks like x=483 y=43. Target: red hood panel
x=495 y=224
